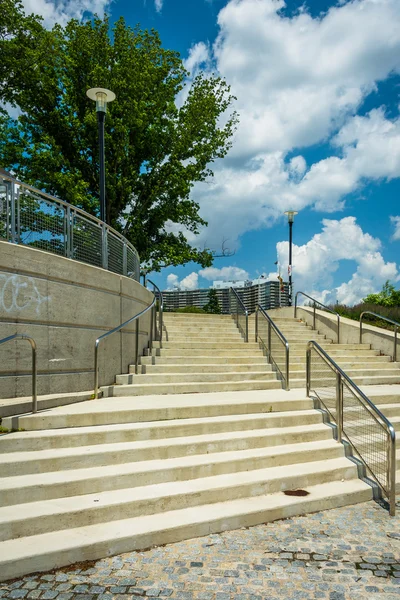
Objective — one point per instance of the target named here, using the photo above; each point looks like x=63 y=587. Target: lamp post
x=290 y=215
x=101 y=96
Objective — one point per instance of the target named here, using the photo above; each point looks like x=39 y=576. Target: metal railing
x=22 y=336
x=396 y=325
x=273 y=342
x=158 y=328
x=119 y=328
x=33 y=218
x=314 y=314
x=371 y=436
x=239 y=313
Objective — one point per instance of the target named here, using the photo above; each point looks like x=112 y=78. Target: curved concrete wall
x=64 y=305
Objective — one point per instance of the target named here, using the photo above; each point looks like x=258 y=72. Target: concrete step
x=125 y=410
x=192 y=377
x=207 y=368
x=242 y=350
x=36 y=553
x=146 y=389
x=36 y=518
x=58 y=459
x=22 y=405
x=46 y=486
x=204 y=358
x=211 y=345
x=349 y=361
x=205 y=338
x=154 y=430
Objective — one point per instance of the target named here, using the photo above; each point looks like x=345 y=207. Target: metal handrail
x=22 y=336
x=272 y=325
x=158 y=333
x=396 y=325
x=377 y=415
x=115 y=330
x=314 y=316
x=108 y=233
x=245 y=333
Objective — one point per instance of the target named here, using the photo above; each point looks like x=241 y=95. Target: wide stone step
x=58 y=459
x=36 y=553
x=46 y=486
x=146 y=389
x=242 y=350
x=154 y=430
x=206 y=368
x=192 y=377
x=230 y=329
x=205 y=338
x=211 y=345
x=249 y=359
x=35 y=518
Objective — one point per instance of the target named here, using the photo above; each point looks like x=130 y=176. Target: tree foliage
x=212 y=305
x=161 y=137
x=388 y=296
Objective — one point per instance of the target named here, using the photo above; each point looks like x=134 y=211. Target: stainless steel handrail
x=314 y=316
x=372 y=410
x=272 y=325
x=161 y=312
x=14 y=221
x=239 y=301
x=22 y=336
x=115 y=330
x=396 y=325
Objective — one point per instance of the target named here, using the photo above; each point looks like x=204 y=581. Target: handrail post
x=338 y=329
x=361 y=329
x=314 y=318
x=96 y=369
x=256 y=327
x=34 y=376
x=247 y=326
x=391 y=475
x=295 y=305
x=137 y=347
x=308 y=371
x=151 y=329
x=161 y=311
x=395 y=344
x=269 y=341
x=287 y=367
x=339 y=406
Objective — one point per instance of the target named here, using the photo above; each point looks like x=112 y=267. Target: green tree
x=212 y=305
x=160 y=137
x=388 y=296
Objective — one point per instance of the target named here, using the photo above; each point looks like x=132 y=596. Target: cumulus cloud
x=224 y=274
x=172 y=281
x=190 y=282
x=199 y=55
x=158 y=4
x=396 y=222
x=315 y=263
x=60 y=11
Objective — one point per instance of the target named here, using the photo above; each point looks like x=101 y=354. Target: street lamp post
x=290 y=215
x=101 y=96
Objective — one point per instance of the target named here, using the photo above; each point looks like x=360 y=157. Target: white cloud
x=396 y=223
x=199 y=55
x=172 y=281
x=190 y=282
x=60 y=11
x=224 y=274
x=158 y=4
x=315 y=262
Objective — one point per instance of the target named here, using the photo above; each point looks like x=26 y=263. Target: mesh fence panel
x=86 y=241
x=41 y=223
x=115 y=253
x=133 y=264
x=367 y=435
x=323 y=382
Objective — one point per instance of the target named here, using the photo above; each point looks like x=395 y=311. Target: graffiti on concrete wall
x=19 y=293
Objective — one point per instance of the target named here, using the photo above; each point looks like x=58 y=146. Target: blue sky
x=317 y=86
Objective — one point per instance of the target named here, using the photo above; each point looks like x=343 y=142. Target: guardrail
x=396 y=325
x=22 y=336
x=158 y=329
x=239 y=312
x=115 y=330
x=371 y=436
x=268 y=340
x=314 y=314
x=33 y=218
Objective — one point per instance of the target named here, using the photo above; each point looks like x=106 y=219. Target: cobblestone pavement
x=351 y=553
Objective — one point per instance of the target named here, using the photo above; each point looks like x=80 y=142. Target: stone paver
x=350 y=553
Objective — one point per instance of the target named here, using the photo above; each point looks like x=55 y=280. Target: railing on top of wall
x=323 y=306
x=33 y=218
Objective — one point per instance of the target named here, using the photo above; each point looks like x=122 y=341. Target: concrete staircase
x=204 y=353
x=103 y=477
x=364 y=365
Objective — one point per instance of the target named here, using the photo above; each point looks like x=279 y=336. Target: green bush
x=190 y=309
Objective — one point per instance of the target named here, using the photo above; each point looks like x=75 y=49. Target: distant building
x=259 y=291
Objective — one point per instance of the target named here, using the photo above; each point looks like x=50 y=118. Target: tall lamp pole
x=290 y=215
x=101 y=96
